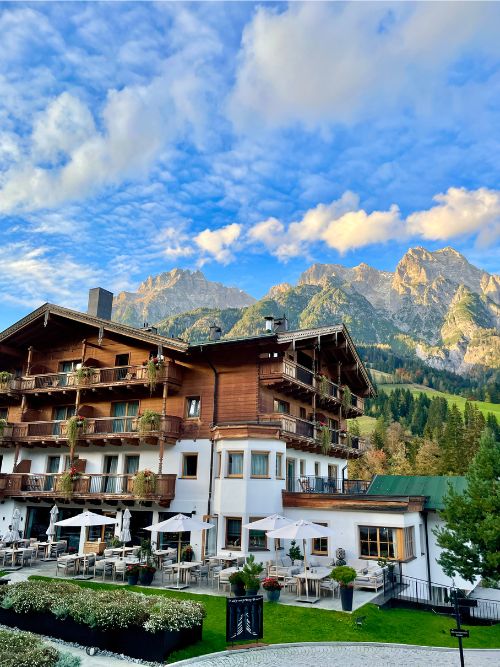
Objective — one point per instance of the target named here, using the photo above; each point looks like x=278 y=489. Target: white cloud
x=317 y=62
x=32 y=275
x=218 y=243
x=64 y=125
x=460 y=212
x=343 y=225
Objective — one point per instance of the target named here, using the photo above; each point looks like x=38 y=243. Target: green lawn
x=451 y=398
x=283 y=624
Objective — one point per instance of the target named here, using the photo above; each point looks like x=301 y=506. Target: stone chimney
x=100 y=303
x=215 y=332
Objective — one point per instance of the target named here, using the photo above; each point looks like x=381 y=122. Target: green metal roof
x=435 y=488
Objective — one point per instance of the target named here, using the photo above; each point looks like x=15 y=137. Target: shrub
x=23 y=649
x=294 y=552
x=344 y=574
x=103 y=609
x=172 y=614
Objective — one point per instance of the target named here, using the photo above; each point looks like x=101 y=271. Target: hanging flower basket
x=144 y=483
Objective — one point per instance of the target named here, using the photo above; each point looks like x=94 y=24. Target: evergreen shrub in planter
x=237 y=581
x=345 y=575
x=147 y=627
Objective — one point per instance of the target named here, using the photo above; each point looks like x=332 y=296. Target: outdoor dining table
x=184 y=569
x=116 y=551
x=314 y=576
x=161 y=554
x=226 y=559
x=44 y=545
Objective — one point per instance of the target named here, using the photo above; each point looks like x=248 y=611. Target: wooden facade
x=279 y=385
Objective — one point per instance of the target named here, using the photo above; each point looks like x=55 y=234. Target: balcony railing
x=170 y=426
x=16 y=484
x=326 y=485
x=309 y=430
x=125 y=375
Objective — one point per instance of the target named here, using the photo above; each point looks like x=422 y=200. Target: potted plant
x=84 y=374
x=75 y=426
x=148 y=421
x=237 y=581
x=114 y=542
x=322 y=385
x=325 y=437
x=5 y=379
x=345 y=576
x=346 y=402
x=273 y=588
x=294 y=552
x=144 y=483
x=251 y=571
x=152 y=367
x=390 y=565
x=187 y=553
x=132 y=572
x=66 y=481
x=3 y=424
x=146 y=568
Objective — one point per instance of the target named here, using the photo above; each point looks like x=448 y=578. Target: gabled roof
x=83 y=318
x=295 y=335
x=433 y=487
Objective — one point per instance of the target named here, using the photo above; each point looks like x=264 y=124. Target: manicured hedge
x=23 y=649
x=104 y=610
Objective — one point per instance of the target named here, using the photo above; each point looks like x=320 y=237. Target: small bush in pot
x=237 y=581
x=345 y=576
x=132 y=572
x=251 y=571
x=146 y=568
x=187 y=553
x=273 y=589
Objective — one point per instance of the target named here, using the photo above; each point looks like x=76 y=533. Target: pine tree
x=471 y=539
x=379 y=434
x=428 y=458
x=492 y=424
x=474 y=426
x=453 y=443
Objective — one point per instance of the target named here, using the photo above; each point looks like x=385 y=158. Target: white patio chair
x=102 y=568
x=27 y=557
x=67 y=565
x=166 y=570
x=120 y=570
x=328 y=586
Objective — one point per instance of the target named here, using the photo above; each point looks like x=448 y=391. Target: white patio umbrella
x=272 y=522
x=85 y=519
x=51 y=530
x=302 y=530
x=125 y=531
x=180 y=523
x=15 y=521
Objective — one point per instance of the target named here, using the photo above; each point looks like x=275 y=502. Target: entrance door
x=110 y=481
x=290 y=475
x=123 y=410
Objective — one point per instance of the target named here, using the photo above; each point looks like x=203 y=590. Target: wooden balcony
x=102 y=377
x=97 y=430
x=306 y=435
x=328 y=485
x=287 y=378
x=85 y=487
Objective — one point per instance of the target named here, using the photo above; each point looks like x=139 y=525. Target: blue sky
x=248 y=140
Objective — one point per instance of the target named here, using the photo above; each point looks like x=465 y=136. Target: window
x=124 y=413
x=333 y=471
x=122 y=359
x=409 y=542
x=3 y=413
x=259 y=465
x=281 y=406
x=302 y=413
x=53 y=464
x=233 y=533
x=190 y=465
x=316 y=468
x=302 y=467
x=131 y=464
x=320 y=544
x=1 y=462
x=279 y=466
x=422 y=539
x=69 y=366
x=377 y=542
x=257 y=540
x=219 y=464
x=193 y=407
x=235 y=464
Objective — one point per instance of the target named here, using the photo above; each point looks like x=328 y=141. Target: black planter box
x=134 y=642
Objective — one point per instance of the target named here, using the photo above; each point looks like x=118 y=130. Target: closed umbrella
x=125 y=531
x=16 y=520
x=272 y=522
x=51 y=530
x=302 y=530
x=180 y=523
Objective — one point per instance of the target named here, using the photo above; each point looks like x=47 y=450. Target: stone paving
x=347 y=655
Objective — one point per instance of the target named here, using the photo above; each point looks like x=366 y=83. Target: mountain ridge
x=435 y=306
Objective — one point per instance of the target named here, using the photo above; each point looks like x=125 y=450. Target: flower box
x=133 y=641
